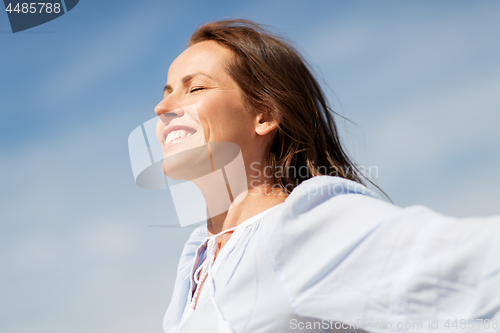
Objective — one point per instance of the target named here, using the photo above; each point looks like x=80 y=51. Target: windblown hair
x=275 y=80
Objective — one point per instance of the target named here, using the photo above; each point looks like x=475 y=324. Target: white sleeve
x=181 y=289
x=357 y=259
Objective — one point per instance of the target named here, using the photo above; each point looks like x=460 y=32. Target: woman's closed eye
x=195 y=89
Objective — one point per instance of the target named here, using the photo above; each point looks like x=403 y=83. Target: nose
x=168 y=109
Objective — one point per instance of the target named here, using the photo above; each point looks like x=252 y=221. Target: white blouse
x=335 y=258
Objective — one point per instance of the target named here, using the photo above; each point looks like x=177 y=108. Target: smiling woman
x=303 y=245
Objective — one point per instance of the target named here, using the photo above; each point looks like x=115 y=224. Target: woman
x=296 y=241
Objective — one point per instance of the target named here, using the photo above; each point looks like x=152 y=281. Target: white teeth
x=175 y=135
x=169 y=138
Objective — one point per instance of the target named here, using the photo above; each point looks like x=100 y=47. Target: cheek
x=209 y=117
x=220 y=126
x=225 y=119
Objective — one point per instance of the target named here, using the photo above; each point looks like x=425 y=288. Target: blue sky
x=421 y=80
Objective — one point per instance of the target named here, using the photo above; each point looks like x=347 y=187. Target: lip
x=170 y=128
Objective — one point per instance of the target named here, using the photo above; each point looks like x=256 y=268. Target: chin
x=187 y=165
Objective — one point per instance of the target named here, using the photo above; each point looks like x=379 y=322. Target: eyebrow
x=185 y=79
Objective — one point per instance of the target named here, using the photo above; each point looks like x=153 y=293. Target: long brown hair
x=276 y=80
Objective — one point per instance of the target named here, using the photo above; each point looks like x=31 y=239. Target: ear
x=264 y=124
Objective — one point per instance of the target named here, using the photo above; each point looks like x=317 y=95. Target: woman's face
x=202 y=103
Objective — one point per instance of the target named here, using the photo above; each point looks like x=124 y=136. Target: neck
x=248 y=194
x=257 y=200
x=239 y=205
x=254 y=203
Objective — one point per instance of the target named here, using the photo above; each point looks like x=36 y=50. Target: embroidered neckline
x=201 y=273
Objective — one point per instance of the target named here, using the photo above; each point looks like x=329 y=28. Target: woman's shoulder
x=322 y=201
x=322 y=218
x=330 y=186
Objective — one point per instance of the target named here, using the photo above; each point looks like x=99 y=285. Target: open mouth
x=176 y=133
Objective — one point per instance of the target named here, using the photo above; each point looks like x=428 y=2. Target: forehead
x=207 y=56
